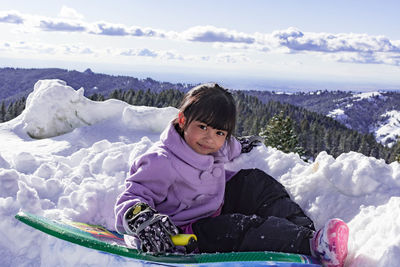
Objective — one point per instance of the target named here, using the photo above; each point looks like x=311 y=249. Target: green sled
x=99 y=238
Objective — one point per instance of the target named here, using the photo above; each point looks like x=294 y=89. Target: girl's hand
x=248 y=142
x=154 y=230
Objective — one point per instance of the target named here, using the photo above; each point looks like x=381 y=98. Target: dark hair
x=210 y=104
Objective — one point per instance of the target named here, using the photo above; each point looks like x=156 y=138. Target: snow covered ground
x=76 y=166
x=388 y=130
x=369 y=96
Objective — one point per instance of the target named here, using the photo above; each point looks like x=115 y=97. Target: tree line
x=361 y=112
x=12 y=110
x=313 y=132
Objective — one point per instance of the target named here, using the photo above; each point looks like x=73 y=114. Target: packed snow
x=339 y=115
x=66 y=156
x=369 y=96
x=388 y=131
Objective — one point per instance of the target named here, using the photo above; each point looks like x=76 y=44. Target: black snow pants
x=257 y=215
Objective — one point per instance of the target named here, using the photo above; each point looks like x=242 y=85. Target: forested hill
x=16 y=83
x=363 y=112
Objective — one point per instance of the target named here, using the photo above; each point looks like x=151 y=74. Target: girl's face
x=204 y=139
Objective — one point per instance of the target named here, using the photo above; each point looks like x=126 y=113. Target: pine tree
x=364 y=149
x=116 y=94
x=279 y=133
x=10 y=113
x=138 y=98
x=2 y=111
x=396 y=151
x=129 y=96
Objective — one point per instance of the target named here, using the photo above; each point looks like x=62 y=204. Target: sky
x=310 y=44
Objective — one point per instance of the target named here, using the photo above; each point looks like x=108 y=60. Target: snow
x=338 y=114
x=369 y=96
x=76 y=165
x=388 y=131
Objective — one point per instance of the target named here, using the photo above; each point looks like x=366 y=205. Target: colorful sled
x=99 y=238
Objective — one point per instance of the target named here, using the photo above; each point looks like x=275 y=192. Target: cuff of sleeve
x=125 y=224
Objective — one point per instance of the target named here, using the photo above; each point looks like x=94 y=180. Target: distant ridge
x=18 y=82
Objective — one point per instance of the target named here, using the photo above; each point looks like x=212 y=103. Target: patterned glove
x=248 y=142
x=153 y=229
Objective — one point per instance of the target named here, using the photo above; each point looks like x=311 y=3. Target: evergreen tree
x=396 y=151
x=138 y=98
x=11 y=112
x=97 y=97
x=364 y=149
x=279 y=133
x=2 y=111
x=129 y=97
x=116 y=94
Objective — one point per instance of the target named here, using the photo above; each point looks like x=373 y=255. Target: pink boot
x=329 y=243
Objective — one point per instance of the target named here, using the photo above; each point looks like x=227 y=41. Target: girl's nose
x=209 y=135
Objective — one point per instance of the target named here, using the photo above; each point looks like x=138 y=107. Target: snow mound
x=54 y=108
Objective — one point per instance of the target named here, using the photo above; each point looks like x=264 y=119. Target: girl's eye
x=220 y=133
x=203 y=127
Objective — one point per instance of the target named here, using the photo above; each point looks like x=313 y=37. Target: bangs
x=215 y=111
x=216 y=118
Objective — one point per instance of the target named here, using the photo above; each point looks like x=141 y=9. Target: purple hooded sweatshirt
x=177 y=181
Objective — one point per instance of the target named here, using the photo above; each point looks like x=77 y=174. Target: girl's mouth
x=204 y=146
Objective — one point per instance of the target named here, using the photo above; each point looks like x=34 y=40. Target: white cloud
x=70 y=13
x=235 y=46
x=214 y=34
x=298 y=41
x=366 y=58
x=104 y=28
x=77 y=50
x=170 y=55
x=30 y=48
x=112 y=29
x=147 y=32
x=12 y=16
x=38 y=48
x=232 y=58
x=61 y=25
x=340 y=47
x=145 y=52
x=139 y=53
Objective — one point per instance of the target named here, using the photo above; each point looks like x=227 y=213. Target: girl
x=180 y=185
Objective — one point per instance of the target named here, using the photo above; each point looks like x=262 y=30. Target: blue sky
x=243 y=44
